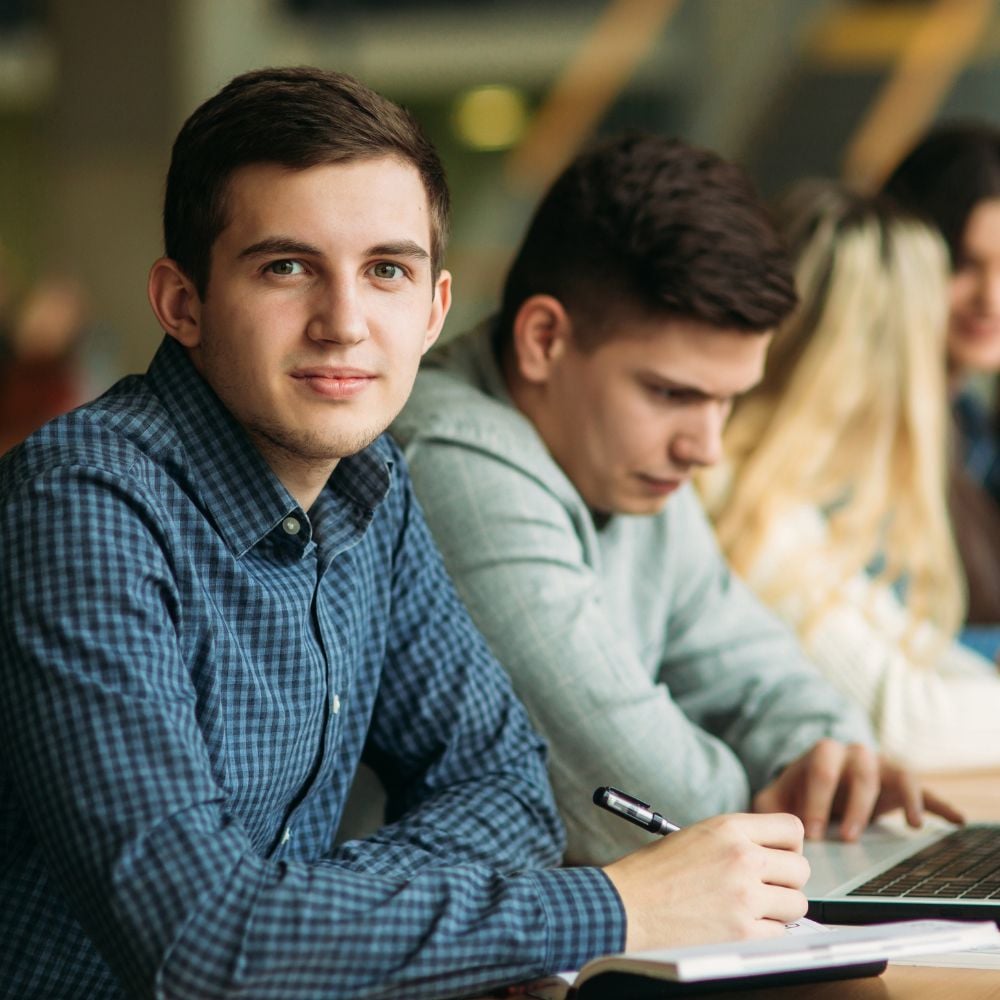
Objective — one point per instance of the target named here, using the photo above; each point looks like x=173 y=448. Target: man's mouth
x=334 y=382
x=661 y=486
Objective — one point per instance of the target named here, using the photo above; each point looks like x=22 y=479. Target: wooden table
x=976 y=793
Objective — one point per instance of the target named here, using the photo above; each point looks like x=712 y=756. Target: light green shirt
x=641 y=659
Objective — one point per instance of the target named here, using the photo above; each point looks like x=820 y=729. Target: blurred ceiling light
x=27 y=69
x=489 y=118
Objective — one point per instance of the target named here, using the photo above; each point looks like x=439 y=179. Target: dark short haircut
x=296 y=117
x=944 y=177
x=650 y=223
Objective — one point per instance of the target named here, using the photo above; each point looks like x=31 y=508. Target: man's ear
x=541 y=334
x=440 y=305
x=175 y=301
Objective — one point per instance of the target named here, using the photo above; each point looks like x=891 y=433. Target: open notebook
x=810 y=953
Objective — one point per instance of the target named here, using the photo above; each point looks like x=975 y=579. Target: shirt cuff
x=584 y=913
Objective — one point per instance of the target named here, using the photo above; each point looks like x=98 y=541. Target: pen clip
x=617 y=800
x=632 y=809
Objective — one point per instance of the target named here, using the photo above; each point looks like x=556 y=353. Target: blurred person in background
x=40 y=372
x=831 y=501
x=552 y=450
x=952 y=177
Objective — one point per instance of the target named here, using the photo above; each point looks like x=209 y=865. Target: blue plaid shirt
x=193 y=667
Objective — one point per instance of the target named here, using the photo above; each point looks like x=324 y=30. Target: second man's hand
x=850 y=784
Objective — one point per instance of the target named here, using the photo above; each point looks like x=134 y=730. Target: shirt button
x=291 y=525
x=287 y=835
x=335 y=704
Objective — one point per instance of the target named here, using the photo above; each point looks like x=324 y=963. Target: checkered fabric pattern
x=192 y=668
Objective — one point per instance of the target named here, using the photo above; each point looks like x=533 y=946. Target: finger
x=821 y=778
x=901 y=786
x=862 y=780
x=781 y=831
x=768 y=800
x=785 y=868
x=783 y=905
x=938 y=806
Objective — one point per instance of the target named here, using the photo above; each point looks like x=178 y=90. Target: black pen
x=640 y=813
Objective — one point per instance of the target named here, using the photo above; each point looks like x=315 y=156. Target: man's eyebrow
x=696 y=392
x=280 y=245
x=664 y=382
x=399 y=248
x=297 y=248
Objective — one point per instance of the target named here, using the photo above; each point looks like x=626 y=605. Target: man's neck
x=304 y=478
x=522 y=393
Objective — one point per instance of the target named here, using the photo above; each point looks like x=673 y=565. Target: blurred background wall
x=93 y=91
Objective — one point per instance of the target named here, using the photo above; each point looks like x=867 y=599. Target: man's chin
x=632 y=506
x=321 y=448
x=648 y=508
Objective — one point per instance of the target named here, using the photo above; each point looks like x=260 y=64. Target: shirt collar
x=241 y=493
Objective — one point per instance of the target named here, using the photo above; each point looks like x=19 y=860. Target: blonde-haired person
x=951 y=177
x=832 y=498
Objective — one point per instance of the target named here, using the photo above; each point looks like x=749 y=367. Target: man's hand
x=724 y=879
x=849 y=782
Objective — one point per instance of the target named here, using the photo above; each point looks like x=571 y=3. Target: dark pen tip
x=599 y=795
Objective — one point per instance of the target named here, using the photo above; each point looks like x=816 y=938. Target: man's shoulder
x=459 y=440
x=458 y=400
x=124 y=430
x=447 y=404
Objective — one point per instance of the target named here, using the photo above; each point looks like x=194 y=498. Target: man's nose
x=698 y=442
x=338 y=314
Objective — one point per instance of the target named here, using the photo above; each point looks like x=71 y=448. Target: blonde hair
x=851 y=415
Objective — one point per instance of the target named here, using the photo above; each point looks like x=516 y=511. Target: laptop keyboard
x=963 y=865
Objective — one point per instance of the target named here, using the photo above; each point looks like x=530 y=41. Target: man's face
x=974 y=329
x=319 y=306
x=631 y=420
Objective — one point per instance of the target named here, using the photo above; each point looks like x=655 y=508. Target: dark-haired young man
x=217 y=592
x=551 y=450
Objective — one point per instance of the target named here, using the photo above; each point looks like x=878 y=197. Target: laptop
x=892 y=873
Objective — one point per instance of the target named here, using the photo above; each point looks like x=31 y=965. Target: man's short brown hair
x=297 y=117
x=643 y=221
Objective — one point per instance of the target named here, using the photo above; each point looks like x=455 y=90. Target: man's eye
x=285 y=267
x=665 y=392
x=383 y=269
